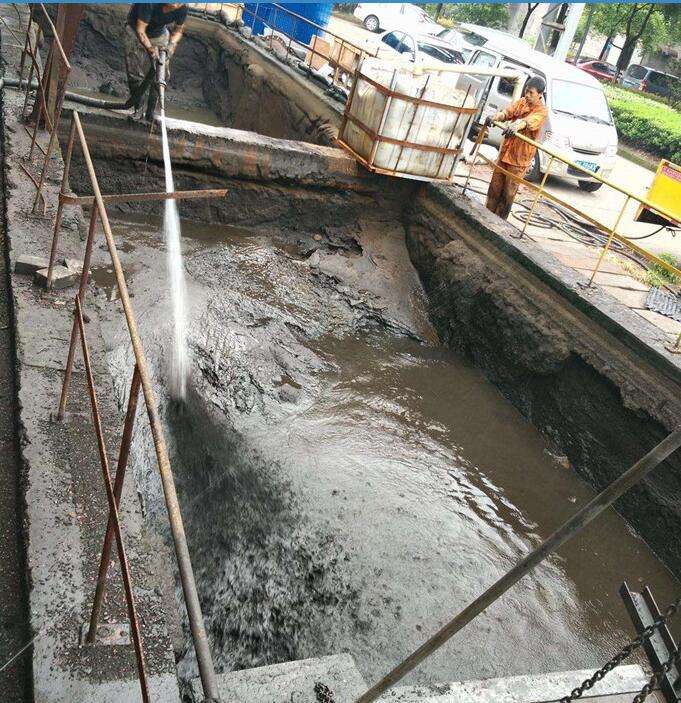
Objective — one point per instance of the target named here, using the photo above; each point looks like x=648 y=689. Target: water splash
x=179 y=357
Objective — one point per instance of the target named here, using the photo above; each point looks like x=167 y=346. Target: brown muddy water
x=348 y=489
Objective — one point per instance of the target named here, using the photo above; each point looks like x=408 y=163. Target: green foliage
x=486 y=14
x=648 y=24
x=657 y=275
x=646 y=124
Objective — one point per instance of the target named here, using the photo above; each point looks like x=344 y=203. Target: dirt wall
x=578 y=370
x=213 y=67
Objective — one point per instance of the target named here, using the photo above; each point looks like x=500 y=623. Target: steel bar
x=540 y=192
x=113 y=512
x=55 y=34
x=123 y=455
x=42 y=103
x=198 y=630
x=74 y=330
x=40 y=148
x=619 y=237
x=60 y=205
x=53 y=138
x=35 y=183
x=591 y=174
x=613 y=231
x=88 y=200
x=565 y=532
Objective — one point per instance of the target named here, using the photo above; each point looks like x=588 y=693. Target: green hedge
x=646 y=124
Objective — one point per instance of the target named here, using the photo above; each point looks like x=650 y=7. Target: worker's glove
x=489 y=121
x=513 y=128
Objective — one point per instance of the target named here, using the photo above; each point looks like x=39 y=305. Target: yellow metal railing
x=541 y=192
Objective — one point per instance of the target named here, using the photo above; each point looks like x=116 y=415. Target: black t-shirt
x=155 y=17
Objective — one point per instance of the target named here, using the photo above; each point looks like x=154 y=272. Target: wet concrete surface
x=347 y=484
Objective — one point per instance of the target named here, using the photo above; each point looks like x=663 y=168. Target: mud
x=345 y=482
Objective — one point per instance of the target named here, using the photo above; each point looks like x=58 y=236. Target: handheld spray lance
x=161 y=66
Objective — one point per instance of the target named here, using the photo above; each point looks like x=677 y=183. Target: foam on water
x=179 y=362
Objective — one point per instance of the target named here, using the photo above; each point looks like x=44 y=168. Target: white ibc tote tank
x=406 y=120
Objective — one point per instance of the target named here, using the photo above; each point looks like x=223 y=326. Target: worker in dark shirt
x=150 y=27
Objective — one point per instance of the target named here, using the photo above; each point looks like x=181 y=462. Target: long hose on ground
x=574 y=227
x=87 y=100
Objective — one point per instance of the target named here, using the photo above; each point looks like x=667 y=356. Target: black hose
x=88 y=101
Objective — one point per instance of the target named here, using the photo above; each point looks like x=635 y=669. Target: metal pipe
x=74 y=330
x=60 y=205
x=565 y=532
x=613 y=231
x=89 y=200
x=198 y=630
x=123 y=455
x=538 y=195
x=113 y=512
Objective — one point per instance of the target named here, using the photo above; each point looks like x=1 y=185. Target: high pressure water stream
x=178 y=362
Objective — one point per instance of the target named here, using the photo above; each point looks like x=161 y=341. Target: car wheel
x=371 y=23
x=533 y=174
x=590 y=186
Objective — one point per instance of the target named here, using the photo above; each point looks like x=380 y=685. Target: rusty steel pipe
x=113 y=511
x=50 y=146
x=60 y=206
x=198 y=630
x=74 y=330
x=123 y=455
x=565 y=532
x=55 y=34
x=89 y=200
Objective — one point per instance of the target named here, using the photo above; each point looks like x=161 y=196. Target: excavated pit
x=348 y=482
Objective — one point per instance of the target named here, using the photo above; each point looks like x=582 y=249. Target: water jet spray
x=178 y=367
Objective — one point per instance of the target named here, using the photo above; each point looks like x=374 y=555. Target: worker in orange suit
x=526 y=117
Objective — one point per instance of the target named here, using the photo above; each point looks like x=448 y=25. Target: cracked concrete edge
x=642 y=337
x=60 y=583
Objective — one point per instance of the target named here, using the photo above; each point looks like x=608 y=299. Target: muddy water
x=348 y=489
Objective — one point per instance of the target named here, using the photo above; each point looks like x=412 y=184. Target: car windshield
x=458 y=35
x=580 y=100
x=636 y=72
x=441 y=53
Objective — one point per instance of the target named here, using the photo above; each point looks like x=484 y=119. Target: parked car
x=382 y=16
x=462 y=39
x=599 y=69
x=650 y=81
x=421 y=48
x=579 y=124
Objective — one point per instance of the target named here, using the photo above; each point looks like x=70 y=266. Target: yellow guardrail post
x=613 y=232
x=539 y=194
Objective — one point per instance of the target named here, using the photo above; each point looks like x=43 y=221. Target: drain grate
x=664 y=303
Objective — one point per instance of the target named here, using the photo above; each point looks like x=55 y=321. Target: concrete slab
x=28 y=265
x=292 y=682
x=543 y=688
x=61 y=277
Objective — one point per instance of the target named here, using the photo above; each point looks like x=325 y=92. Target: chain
x=625 y=652
x=655 y=679
x=324 y=693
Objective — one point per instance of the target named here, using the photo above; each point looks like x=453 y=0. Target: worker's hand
x=499 y=117
x=514 y=127
x=171 y=48
x=153 y=52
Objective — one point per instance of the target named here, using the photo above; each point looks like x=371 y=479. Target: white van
x=579 y=124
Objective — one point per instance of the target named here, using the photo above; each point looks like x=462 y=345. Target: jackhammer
x=161 y=71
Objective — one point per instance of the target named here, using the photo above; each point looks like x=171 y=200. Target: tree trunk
x=526 y=19
x=438 y=11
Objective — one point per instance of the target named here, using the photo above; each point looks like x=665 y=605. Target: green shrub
x=646 y=124
x=658 y=276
